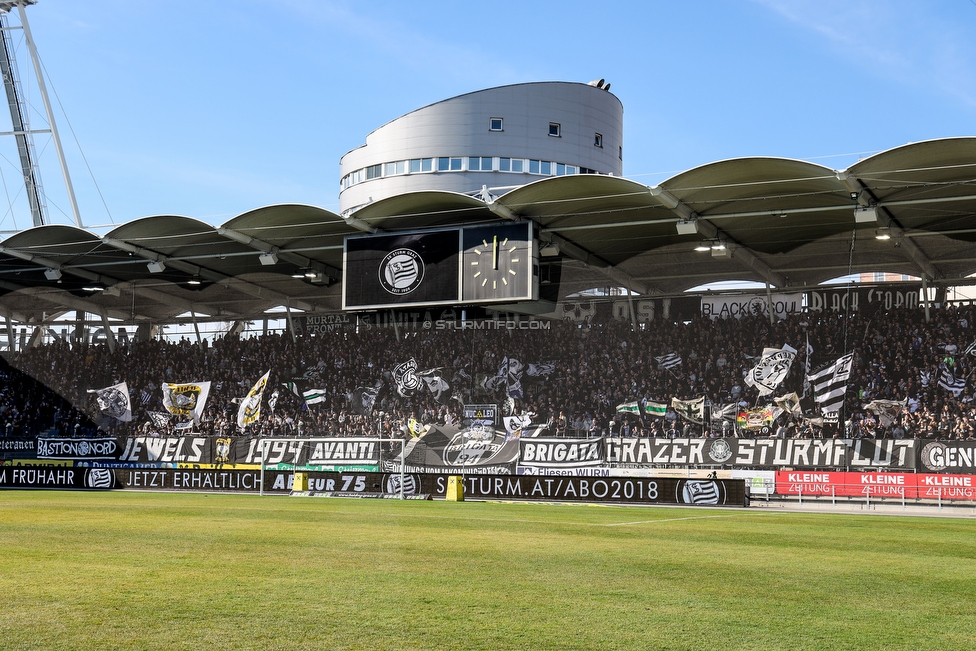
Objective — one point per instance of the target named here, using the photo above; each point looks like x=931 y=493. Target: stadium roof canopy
x=787 y=222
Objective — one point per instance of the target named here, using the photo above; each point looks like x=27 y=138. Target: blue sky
x=212 y=108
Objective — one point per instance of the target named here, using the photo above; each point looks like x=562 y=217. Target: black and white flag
x=830 y=385
x=690 y=410
x=949 y=382
x=437 y=385
x=405 y=376
x=790 y=403
x=887 y=410
x=668 y=361
x=159 y=419
x=970 y=349
x=771 y=369
x=114 y=401
x=724 y=412
x=542 y=369
x=273 y=401
x=363 y=399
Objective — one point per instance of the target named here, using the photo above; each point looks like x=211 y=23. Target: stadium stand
x=579 y=373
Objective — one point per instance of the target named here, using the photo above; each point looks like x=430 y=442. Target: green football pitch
x=126 y=570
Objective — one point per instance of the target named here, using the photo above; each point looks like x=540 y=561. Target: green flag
x=629 y=408
x=655 y=409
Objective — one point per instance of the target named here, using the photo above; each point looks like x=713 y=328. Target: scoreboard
x=487 y=263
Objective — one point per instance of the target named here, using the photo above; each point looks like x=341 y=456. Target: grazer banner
x=695 y=492
x=402 y=269
x=889 y=485
x=765 y=453
x=561 y=453
x=865 y=299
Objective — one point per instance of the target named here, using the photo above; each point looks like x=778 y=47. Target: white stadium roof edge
x=790 y=223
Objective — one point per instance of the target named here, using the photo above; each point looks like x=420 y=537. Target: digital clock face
x=497 y=262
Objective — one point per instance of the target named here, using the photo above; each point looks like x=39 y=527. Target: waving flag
x=250 y=409
x=114 y=401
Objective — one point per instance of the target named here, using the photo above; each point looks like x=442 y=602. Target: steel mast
x=19 y=116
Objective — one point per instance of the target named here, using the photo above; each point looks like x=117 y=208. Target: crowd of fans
x=594 y=368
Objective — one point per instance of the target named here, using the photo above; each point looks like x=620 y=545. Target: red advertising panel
x=876 y=484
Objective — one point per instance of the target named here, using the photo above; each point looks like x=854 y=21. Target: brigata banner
x=560 y=453
x=648 y=490
x=765 y=453
x=877 y=484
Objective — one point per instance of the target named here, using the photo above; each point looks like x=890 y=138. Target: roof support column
x=109 y=337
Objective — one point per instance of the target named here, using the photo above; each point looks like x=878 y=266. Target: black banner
x=865 y=299
x=11 y=448
x=57 y=477
x=449 y=449
x=486 y=450
x=693 y=492
x=78 y=449
x=947 y=456
x=765 y=453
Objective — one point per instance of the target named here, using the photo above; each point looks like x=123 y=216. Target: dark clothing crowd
x=591 y=368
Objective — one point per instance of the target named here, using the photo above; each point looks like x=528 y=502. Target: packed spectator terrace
x=597 y=366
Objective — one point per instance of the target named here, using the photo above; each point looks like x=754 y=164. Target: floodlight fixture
x=194 y=280
x=156 y=266
x=269 y=258
x=298 y=273
x=866 y=215
x=882 y=234
x=52 y=274
x=550 y=250
x=686 y=227
x=703 y=246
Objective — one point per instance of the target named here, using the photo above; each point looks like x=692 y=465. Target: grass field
x=129 y=570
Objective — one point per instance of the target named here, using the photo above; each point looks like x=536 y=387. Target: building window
x=374 y=171
x=554 y=129
x=426 y=164
x=518 y=165
x=449 y=164
x=533 y=167
x=598 y=140
x=389 y=169
x=620 y=152
x=504 y=164
x=414 y=165
x=560 y=169
x=495 y=124
x=546 y=167
x=482 y=163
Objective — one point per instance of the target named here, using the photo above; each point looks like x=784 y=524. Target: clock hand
x=494 y=253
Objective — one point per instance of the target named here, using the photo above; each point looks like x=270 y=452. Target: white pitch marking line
x=691 y=517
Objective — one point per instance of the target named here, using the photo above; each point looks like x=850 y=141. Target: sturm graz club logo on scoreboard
x=401 y=271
